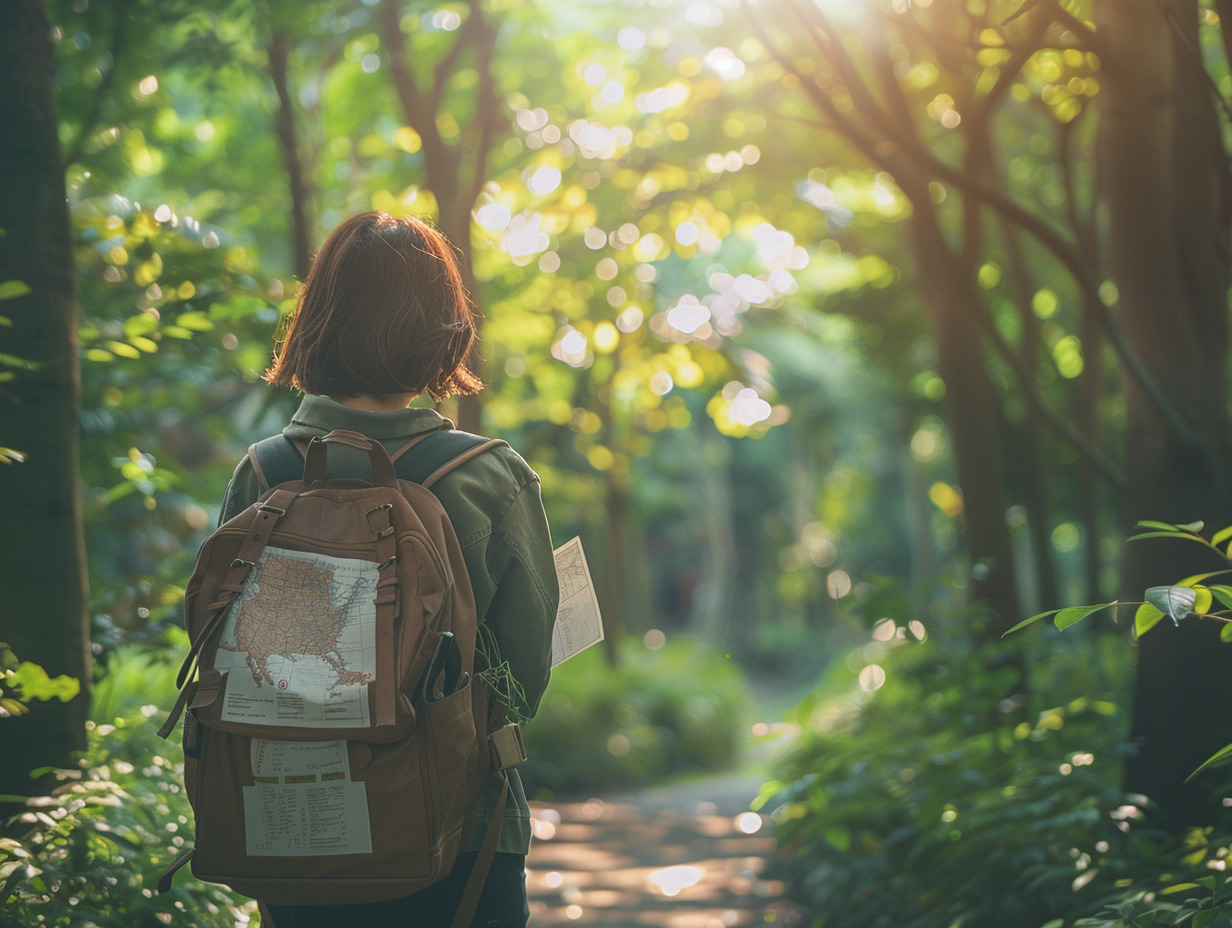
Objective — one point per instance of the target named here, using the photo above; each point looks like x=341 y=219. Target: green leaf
x=839 y=838
x=1203 y=600
x=195 y=320
x=1163 y=526
x=119 y=491
x=1205 y=917
x=1178 y=888
x=1146 y=919
x=1223 y=593
x=123 y=349
x=1146 y=618
x=20 y=363
x=36 y=684
x=1035 y=618
x=1174 y=601
x=140 y=324
x=1220 y=758
x=1190 y=537
x=1075 y=614
x=1224 y=534
x=1223 y=893
x=768 y=791
x=1225 y=633
x=11 y=289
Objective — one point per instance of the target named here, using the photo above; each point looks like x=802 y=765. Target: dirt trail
x=684 y=856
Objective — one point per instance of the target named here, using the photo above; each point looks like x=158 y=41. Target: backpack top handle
x=314 y=460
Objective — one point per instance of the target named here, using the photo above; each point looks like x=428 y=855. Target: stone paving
x=690 y=856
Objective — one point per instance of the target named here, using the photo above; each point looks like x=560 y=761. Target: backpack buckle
x=506 y=747
x=266 y=507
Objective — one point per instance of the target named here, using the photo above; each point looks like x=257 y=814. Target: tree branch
x=486 y=104
x=419 y=114
x=444 y=68
x=1195 y=54
x=925 y=162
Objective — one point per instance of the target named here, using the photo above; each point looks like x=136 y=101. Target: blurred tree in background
x=982 y=118
x=42 y=571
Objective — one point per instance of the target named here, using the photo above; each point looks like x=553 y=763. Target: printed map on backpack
x=337 y=738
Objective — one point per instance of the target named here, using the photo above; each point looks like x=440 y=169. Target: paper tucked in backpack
x=578 y=623
x=303 y=802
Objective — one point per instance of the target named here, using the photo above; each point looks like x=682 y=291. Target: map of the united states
x=298 y=645
x=286 y=609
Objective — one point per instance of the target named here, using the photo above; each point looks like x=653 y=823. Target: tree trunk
x=288 y=141
x=42 y=570
x=972 y=418
x=453 y=171
x=1165 y=182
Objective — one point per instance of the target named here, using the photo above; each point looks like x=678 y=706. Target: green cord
x=497 y=675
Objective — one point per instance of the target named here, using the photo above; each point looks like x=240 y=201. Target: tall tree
x=42 y=569
x=1169 y=199
x=455 y=170
x=920 y=95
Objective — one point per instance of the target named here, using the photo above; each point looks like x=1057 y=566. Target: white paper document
x=298 y=646
x=304 y=802
x=578 y=623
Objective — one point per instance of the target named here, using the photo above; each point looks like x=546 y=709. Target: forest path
x=687 y=855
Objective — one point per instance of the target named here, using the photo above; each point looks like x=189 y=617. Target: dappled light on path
x=626 y=865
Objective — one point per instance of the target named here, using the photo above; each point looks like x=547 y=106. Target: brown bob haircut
x=383 y=311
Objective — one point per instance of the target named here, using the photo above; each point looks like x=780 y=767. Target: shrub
x=678 y=709
x=90 y=854
x=139 y=674
x=938 y=801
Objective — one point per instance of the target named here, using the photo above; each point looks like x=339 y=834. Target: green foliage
x=664 y=712
x=137 y=675
x=938 y=798
x=23 y=681
x=1189 y=596
x=1203 y=902
x=91 y=853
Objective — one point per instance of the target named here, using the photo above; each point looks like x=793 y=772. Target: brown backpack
x=337 y=737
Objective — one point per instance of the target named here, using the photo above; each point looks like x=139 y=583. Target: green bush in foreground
x=90 y=855
x=937 y=801
x=674 y=710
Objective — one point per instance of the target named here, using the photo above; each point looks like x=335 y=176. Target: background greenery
x=821 y=333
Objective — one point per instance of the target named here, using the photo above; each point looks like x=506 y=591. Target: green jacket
x=494 y=504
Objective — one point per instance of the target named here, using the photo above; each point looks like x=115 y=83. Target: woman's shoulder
x=489 y=484
x=503 y=457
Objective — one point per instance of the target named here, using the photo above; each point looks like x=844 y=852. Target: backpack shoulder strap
x=275 y=460
x=279 y=459
x=437 y=453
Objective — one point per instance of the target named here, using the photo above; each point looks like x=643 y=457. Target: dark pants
x=502 y=905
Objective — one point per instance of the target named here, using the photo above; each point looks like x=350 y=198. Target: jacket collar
x=318 y=415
